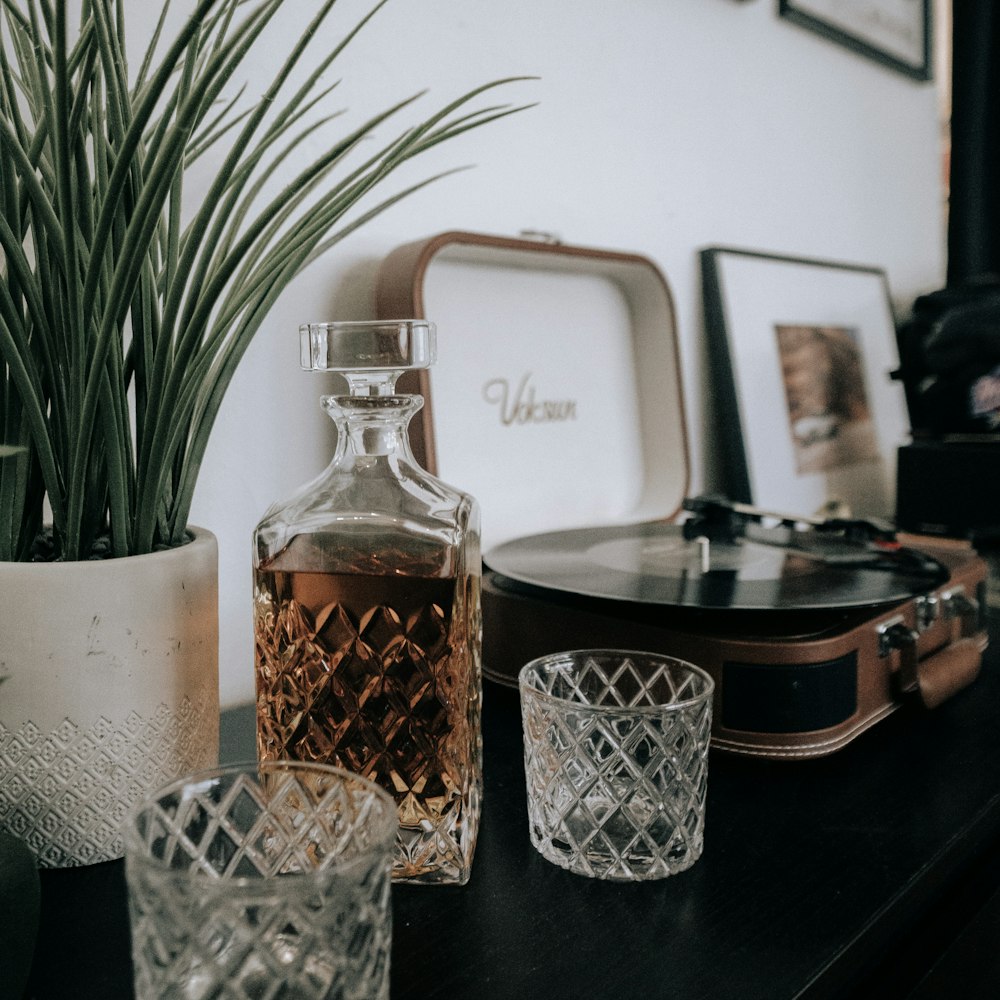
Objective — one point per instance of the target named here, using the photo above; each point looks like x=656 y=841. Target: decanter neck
x=373 y=424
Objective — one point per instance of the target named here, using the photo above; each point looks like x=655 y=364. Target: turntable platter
x=653 y=563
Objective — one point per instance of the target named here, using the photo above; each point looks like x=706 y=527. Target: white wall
x=663 y=126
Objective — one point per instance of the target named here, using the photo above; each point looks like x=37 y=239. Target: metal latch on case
x=957 y=604
x=928 y=610
x=896 y=635
x=954 y=603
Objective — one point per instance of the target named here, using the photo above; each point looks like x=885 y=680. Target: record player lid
x=653 y=563
x=550 y=354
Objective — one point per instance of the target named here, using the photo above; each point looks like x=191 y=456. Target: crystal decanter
x=367 y=608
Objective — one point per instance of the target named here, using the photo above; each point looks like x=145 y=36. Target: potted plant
x=124 y=313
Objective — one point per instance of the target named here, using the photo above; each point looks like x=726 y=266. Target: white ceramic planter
x=110 y=687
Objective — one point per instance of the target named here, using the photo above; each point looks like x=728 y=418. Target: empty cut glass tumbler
x=256 y=881
x=616 y=761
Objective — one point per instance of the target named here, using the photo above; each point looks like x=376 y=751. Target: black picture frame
x=801 y=352
x=895 y=33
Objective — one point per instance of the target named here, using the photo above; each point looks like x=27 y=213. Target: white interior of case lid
x=556 y=395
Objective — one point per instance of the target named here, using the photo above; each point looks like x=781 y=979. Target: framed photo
x=801 y=351
x=896 y=33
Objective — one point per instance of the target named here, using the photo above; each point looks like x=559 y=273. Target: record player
x=552 y=356
x=812 y=633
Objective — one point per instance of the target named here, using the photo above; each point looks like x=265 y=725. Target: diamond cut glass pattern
x=616 y=761
x=267 y=881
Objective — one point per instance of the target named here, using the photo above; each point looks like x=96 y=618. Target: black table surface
x=874 y=871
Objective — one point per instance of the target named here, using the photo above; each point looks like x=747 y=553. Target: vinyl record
x=653 y=563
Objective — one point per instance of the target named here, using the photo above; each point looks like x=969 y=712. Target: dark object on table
x=949 y=488
x=949 y=352
x=20 y=897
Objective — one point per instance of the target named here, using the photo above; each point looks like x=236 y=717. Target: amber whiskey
x=373 y=672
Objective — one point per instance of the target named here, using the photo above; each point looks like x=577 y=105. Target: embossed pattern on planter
x=66 y=792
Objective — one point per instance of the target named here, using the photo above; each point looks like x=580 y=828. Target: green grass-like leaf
x=122 y=325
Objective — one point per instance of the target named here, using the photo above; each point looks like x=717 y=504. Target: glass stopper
x=370 y=354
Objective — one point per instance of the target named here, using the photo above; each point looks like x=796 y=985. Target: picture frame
x=801 y=351
x=896 y=33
